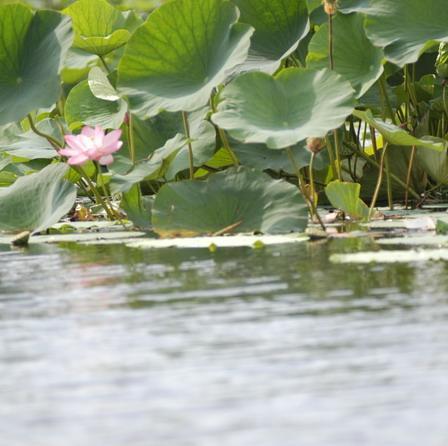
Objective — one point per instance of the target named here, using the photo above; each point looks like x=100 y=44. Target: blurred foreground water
x=106 y=345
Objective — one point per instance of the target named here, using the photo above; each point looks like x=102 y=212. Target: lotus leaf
x=282 y=110
x=355 y=58
x=236 y=200
x=32 y=51
x=279 y=27
x=182 y=52
x=405 y=28
x=37 y=201
x=99 y=27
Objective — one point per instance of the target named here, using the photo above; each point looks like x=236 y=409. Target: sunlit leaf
x=184 y=50
x=99 y=27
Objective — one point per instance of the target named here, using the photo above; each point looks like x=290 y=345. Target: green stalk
x=131 y=140
x=223 y=136
x=337 y=146
x=385 y=97
x=390 y=199
x=55 y=143
x=190 y=147
x=93 y=188
x=379 y=181
x=392 y=176
x=408 y=176
x=103 y=61
x=301 y=184
x=331 y=154
x=225 y=141
x=311 y=173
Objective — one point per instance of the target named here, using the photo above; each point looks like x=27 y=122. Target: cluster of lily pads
x=234 y=115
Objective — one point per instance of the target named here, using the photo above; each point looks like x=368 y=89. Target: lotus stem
x=408 y=176
x=392 y=176
x=311 y=173
x=103 y=61
x=330 y=42
x=385 y=96
x=55 y=143
x=225 y=141
x=331 y=155
x=378 y=183
x=302 y=188
x=93 y=188
x=390 y=199
x=131 y=138
x=190 y=147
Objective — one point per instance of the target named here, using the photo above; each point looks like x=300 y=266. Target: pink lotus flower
x=92 y=144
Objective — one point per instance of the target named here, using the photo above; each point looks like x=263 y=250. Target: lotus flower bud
x=315 y=145
x=330 y=6
x=442 y=61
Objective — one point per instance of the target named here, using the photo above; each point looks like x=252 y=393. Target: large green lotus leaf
x=29 y=145
x=355 y=58
x=279 y=27
x=32 y=51
x=283 y=110
x=185 y=49
x=37 y=201
x=82 y=107
x=238 y=199
x=398 y=136
x=346 y=196
x=99 y=27
x=405 y=28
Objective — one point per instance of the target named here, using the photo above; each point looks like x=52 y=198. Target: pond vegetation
x=214 y=117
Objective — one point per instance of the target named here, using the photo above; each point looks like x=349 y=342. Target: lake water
x=104 y=345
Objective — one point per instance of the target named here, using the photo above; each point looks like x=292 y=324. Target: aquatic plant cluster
x=219 y=116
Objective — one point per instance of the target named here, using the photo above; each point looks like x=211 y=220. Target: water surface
x=105 y=345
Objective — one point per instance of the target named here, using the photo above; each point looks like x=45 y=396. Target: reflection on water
x=106 y=345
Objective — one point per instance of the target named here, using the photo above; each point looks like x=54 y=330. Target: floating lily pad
x=236 y=200
x=283 y=110
x=355 y=58
x=279 y=25
x=236 y=241
x=88 y=237
x=37 y=201
x=425 y=240
x=184 y=50
x=411 y=256
x=32 y=52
